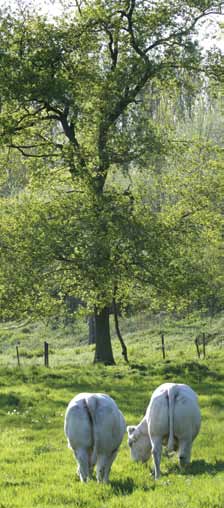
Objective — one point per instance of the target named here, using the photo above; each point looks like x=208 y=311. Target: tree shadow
x=194 y=369
x=140 y=367
x=8 y=400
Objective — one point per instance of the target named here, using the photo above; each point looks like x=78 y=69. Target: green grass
x=37 y=468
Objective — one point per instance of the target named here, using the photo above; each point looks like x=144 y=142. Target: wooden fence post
x=46 y=354
x=163 y=346
x=17 y=354
x=197 y=347
x=203 y=342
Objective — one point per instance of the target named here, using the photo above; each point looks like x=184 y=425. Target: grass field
x=38 y=470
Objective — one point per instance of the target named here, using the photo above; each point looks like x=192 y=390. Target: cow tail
x=171 y=393
x=91 y=404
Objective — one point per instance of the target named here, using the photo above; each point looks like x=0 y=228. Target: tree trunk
x=103 y=352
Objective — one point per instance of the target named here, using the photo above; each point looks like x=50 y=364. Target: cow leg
x=92 y=463
x=156 y=453
x=100 y=467
x=184 y=453
x=108 y=464
x=81 y=456
x=103 y=467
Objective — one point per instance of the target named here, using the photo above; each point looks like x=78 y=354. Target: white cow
x=172 y=418
x=94 y=427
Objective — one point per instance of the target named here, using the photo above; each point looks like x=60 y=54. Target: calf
x=94 y=427
x=172 y=418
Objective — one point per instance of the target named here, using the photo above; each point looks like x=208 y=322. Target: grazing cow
x=172 y=418
x=94 y=427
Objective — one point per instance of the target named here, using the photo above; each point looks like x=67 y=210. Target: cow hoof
x=183 y=464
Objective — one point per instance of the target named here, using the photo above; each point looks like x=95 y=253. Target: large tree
x=71 y=98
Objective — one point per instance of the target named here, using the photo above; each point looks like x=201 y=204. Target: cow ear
x=131 y=429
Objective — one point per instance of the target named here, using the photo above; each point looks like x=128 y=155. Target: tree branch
x=179 y=33
x=113 y=48
x=66 y=260
x=21 y=149
x=123 y=345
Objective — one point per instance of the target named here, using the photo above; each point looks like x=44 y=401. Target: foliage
x=60 y=244
x=76 y=91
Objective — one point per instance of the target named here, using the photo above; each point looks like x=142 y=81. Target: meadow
x=37 y=468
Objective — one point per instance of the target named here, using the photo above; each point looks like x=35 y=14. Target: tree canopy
x=76 y=109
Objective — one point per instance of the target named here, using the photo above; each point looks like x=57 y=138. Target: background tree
x=70 y=100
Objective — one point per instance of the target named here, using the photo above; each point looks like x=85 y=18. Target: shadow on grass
x=195 y=370
x=9 y=400
x=139 y=367
x=127 y=486
x=123 y=487
x=198 y=467
x=201 y=466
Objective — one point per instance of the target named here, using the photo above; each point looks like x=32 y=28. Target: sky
x=210 y=33
x=53 y=7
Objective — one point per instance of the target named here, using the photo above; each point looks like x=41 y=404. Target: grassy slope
x=37 y=470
